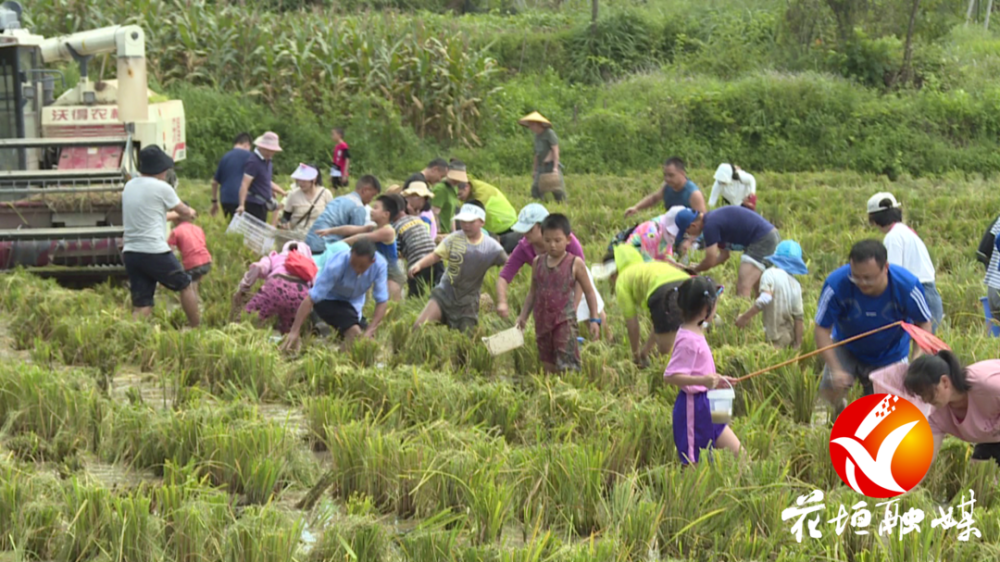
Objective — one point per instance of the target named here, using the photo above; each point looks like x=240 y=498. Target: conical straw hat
x=533 y=117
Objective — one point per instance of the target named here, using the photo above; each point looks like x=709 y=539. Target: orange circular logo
x=881 y=446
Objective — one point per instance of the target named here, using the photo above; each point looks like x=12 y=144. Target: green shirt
x=544 y=142
x=446 y=199
x=638 y=282
x=500 y=214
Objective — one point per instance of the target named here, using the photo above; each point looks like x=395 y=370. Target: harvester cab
x=65 y=161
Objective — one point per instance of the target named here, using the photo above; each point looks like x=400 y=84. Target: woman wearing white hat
x=546 y=160
x=734 y=186
x=306 y=202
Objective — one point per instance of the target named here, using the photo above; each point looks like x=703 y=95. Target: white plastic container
x=720 y=402
x=504 y=341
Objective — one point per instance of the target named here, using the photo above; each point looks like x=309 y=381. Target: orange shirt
x=190 y=240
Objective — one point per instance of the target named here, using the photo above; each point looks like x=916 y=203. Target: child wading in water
x=383 y=235
x=692 y=368
x=189 y=239
x=554 y=276
x=469 y=254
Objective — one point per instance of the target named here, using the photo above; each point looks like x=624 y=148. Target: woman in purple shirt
x=531 y=245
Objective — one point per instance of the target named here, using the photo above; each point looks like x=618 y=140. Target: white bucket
x=720 y=402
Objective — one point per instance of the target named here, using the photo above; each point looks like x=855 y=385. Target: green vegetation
x=781 y=86
x=134 y=441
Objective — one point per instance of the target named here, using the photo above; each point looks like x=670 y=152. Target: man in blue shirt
x=258 y=187
x=229 y=176
x=338 y=294
x=346 y=210
x=731 y=228
x=677 y=189
x=867 y=294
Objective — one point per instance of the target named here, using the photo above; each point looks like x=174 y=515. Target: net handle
x=818 y=351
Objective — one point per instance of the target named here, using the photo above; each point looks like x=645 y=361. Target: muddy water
x=114 y=476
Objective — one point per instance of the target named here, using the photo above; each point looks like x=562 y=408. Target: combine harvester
x=64 y=162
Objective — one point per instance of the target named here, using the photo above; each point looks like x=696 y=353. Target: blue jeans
x=933 y=298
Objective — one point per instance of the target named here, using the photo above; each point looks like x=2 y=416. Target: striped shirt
x=992 y=278
x=413 y=239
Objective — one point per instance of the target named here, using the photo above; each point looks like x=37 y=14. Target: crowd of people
x=450 y=229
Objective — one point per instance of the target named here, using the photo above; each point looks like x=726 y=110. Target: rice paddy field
x=125 y=441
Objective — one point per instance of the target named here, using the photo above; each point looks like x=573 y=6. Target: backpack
x=986 y=246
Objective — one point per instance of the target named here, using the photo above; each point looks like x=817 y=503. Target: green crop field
x=125 y=441
x=136 y=441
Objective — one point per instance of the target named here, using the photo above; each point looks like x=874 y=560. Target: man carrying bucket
x=866 y=295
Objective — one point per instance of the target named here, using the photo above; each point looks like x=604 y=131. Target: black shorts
x=146 y=270
x=229 y=210
x=663 y=309
x=338 y=182
x=987 y=451
x=423 y=282
x=197 y=273
x=256 y=210
x=339 y=315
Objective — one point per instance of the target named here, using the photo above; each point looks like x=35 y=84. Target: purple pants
x=693 y=427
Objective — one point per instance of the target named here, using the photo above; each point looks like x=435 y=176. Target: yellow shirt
x=639 y=281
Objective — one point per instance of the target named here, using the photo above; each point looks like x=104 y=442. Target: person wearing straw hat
x=867 y=294
x=645 y=285
x=469 y=254
x=529 y=223
x=306 y=202
x=546 y=158
x=418 y=203
x=905 y=248
x=146 y=201
x=677 y=189
x=446 y=202
x=500 y=214
x=734 y=187
x=258 y=189
x=780 y=297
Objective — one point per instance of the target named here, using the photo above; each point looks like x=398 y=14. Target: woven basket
x=552 y=181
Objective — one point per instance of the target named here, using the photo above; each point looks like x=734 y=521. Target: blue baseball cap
x=684 y=219
x=788 y=257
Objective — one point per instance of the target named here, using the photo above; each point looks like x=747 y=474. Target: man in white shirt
x=148 y=259
x=906 y=249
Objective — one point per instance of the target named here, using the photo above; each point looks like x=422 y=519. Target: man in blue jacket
x=867 y=294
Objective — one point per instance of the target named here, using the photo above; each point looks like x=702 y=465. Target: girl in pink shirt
x=189 y=239
x=692 y=368
x=966 y=400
